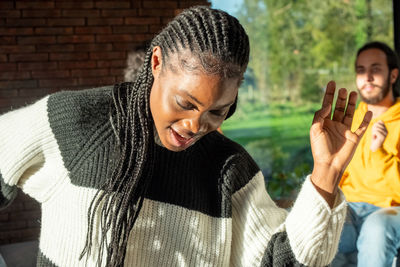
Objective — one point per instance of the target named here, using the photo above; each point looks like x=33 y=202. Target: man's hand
x=379 y=133
x=332 y=141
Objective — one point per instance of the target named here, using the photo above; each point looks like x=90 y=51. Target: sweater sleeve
x=28 y=153
x=266 y=235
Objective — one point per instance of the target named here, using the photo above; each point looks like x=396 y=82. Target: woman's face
x=185 y=105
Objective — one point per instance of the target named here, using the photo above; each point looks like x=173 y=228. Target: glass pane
x=296 y=48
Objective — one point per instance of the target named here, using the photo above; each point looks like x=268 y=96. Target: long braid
x=203 y=31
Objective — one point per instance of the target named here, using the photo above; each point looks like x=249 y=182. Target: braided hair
x=221 y=46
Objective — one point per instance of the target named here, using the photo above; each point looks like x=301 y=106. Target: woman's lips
x=179 y=140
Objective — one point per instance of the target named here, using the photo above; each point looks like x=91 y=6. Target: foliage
x=297 y=46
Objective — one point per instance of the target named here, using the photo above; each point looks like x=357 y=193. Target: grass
x=277 y=137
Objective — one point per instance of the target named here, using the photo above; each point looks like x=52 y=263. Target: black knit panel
x=279 y=253
x=80 y=121
x=43 y=261
x=203 y=177
x=7 y=193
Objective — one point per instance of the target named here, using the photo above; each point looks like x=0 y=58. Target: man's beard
x=382 y=94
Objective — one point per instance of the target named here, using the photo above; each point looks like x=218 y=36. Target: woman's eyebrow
x=201 y=104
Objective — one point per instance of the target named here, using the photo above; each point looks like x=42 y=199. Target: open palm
x=332 y=141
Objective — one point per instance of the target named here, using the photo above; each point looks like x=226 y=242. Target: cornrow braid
x=211 y=36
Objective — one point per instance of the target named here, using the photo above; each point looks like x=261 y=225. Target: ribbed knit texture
x=205 y=206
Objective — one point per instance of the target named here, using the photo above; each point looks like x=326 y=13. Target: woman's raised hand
x=332 y=141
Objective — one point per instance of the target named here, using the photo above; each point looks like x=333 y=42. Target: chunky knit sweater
x=206 y=206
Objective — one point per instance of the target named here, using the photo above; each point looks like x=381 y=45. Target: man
x=371 y=182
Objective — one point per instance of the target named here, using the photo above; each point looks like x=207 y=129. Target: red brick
x=10 y=13
x=33 y=224
x=16 y=31
x=32 y=92
x=24 y=215
x=99 y=30
x=90 y=73
x=155 y=12
x=68 y=56
x=141 y=21
x=74 y=5
x=50 y=74
x=54 y=31
x=58 y=82
x=113 y=4
x=12 y=225
x=52 y=13
x=131 y=29
x=8 y=93
x=7 y=40
x=119 y=79
x=66 y=22
x=29 y=57
x=35 y=4
x=117 y=71
x=111 y=63
x=156 y=28
x=37 y=66
x=105 y=22
x=31 y=205
x=119 y=13
x=8 y=66
x=37 y=40
x=2 y=22
x=76 y=39
x=165 y=21
x=4 y=4
x=26 y=22
x=55 y=48
x=20 y=75
x=77 y=65
x=160 y=4
x=3 y=58
x=18 y=84
x=3 y=217
x=130 y=46
x=115 y=38
x=16 y=49
x=17 y=235
x=107 y=55
x=97 y=81
x=187 y=4
x=74 y=13
x=93 y=47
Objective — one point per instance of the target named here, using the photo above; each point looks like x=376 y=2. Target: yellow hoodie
x=374 y=177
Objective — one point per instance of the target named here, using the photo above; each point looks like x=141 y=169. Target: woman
x=136 y=175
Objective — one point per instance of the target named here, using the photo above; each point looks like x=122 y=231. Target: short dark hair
x=391 y=59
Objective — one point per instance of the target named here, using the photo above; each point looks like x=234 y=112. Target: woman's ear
x=156 y=61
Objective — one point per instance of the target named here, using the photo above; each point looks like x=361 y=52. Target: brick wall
x=47 y=46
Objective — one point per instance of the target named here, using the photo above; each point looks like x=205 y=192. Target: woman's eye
x=219 y=113
x=185 y=105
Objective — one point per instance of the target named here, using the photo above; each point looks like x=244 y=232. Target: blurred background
x=297 y=47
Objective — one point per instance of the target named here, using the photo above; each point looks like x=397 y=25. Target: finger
x=329 y=94
x=351 y=106
x=364 y=124
x=381 y=132
x=321 y=115
x=340 y=105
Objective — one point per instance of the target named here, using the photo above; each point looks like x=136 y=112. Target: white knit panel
x=255 y=218
x=314 y=228
x=29 y=151
x=169 y=235
x=164 y=234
